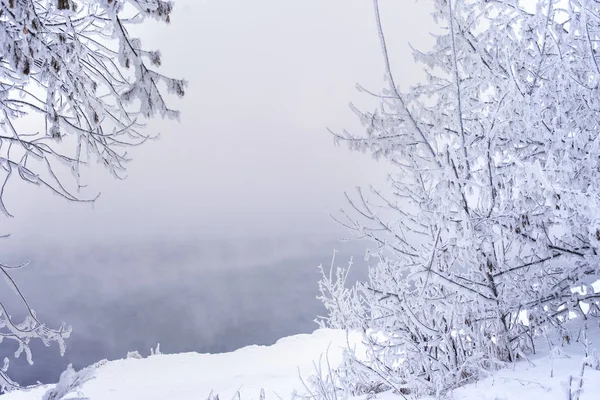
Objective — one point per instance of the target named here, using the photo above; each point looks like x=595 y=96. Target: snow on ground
x=193 y=376
x=533 y=381
x=551 y=374
x=276 y=370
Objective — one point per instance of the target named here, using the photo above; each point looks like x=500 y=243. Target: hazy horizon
x=241 y=189
x=206 y=298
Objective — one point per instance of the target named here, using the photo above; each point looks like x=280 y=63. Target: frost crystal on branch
x=493 y=224
x=75 y=88
x=84 y=84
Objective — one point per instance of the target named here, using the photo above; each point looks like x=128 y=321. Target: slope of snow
x=190 y=376
x=551 y=374
x=542 y=378
x=276 y=369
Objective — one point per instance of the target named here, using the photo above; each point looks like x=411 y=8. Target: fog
x=213 y=239
x=200 y=296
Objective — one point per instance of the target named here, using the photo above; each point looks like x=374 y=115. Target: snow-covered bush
x=493 y=220
x=69 y=383
x=75 y=88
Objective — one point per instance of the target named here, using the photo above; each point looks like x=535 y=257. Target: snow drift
x=277 y=370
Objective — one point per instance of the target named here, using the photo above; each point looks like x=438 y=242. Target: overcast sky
x=251 y=155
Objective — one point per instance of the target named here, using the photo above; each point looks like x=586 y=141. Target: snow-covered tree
x=493 y=218
x=75 y=88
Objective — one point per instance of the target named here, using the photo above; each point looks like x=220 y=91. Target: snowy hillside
x=193 y=376
x=276 y=370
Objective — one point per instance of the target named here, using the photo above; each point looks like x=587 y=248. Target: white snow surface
x=193 y=376
x=276 y=369
x=533 y=381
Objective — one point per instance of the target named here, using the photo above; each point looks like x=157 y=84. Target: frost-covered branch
x=492 y=221
x=72 y=68
x=76 y=88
